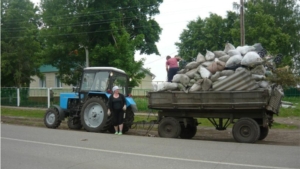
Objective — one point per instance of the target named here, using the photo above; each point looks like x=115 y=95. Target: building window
x=43 y=82
x=57 y=82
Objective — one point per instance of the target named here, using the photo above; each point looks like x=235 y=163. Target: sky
x=173 y=19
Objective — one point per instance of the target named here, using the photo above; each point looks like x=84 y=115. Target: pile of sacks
x=210 y=72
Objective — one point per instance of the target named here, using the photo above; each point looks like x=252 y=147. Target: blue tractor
x=87 y=106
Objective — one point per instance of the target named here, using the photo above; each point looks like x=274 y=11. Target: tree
x=286 y=14
x=209 y=34
x=20 y=47
x=111 y=31
x=213 y=32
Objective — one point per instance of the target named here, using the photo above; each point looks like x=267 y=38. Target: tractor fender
x=60 y=111
x=131 y=103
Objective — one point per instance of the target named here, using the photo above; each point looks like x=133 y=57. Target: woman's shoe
x=116 y=133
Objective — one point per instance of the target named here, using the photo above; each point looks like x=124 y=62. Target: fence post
x=48 y=97
x=18 y=97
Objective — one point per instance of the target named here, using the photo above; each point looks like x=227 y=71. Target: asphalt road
x=41 y=148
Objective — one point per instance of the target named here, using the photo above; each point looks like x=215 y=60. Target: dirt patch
x=275 y=136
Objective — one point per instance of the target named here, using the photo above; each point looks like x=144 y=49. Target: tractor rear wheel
x=94 y=115
x=51 y=118
x=74 y=123
x=128 y=121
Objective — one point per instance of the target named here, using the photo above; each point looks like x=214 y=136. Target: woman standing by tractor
x=116 y=107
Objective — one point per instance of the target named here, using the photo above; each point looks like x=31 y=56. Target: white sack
x=204 y=72
x=240 y=69
x=224 y=58
x=206 y=85
x=200 y=58
x=170 y=86
x=228 y=47
x=234 y=52
x=245 y=49
x=182 y=71
x=259 y=70
x=215 y=76
x=209 y=55
x=219 y=53
x=258 y=77
x=191 y=83
x=251 y=59
x=207 y=63
x=234 y=61
x=184 y=80
x=192 y=72
x=263 y=84
x=196 y=86
x=192 y=65
x=197 y=76
x=176 y=78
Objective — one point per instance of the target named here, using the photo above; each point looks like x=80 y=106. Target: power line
x=93 y=13
x=108 y=30
x=90 y=22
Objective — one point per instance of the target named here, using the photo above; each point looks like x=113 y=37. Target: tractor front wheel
x=51 y=118
x=94 y=115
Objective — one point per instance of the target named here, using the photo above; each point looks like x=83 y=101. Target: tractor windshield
x=95 y=81
x=120 y=80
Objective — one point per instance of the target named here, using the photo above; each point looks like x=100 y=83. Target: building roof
x=48 y=69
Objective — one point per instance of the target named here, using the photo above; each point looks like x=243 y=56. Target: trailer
x=250 y=112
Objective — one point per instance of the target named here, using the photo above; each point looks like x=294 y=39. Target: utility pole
x=86 y=56
x=242 y=23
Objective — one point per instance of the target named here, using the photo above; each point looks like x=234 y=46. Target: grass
x=22 y=112
x=291 y=112
x=33 y=113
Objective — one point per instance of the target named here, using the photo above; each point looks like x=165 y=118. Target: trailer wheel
x=188 y=132
x=94 y=115
x=246 y=130
x=51 y=118
x=169 y=127
x=74 y=123
x=264 y=131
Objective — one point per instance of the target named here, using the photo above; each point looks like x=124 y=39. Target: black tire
x=264 y=131
x=74 y=123
x=246 y=130
x=128 y=121
x=51 y=118
x=108 y=124
x=94 y=115
x=169 y=127
x=188 y=132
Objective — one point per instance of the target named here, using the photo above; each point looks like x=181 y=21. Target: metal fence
x=41 y=97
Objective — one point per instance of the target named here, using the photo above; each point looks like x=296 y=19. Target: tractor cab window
x=101 y=81
x=87 y=81
x=95 y=81
x=121 y=81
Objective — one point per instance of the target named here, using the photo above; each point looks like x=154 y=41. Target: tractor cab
x=100 y=80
